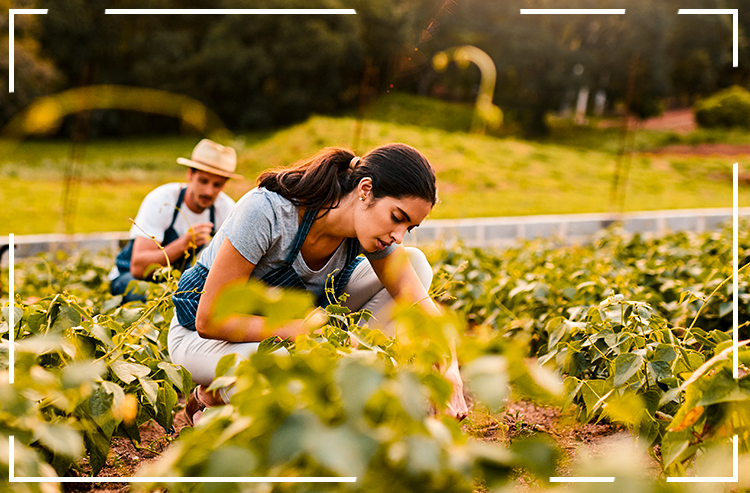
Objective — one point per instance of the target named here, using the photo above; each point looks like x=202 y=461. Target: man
x=181 y=218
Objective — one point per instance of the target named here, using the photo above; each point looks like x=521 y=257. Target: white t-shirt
x=157 y=209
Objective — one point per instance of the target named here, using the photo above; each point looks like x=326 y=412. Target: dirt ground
x=682 y=121
x=519 y=419
x=124 y=458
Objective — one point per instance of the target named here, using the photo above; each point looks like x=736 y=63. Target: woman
x=298 y=226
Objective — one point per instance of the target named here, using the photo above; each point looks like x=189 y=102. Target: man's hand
x=199 y=234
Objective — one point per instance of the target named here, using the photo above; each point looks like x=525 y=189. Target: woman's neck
x=337 y=223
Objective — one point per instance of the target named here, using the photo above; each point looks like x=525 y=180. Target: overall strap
x=170 y=234
x=299 y=239
x=352 y=260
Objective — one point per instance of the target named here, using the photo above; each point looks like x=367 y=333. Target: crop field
x=627 y=333
x=571 y=171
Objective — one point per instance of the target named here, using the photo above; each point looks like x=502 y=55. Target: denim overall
x=192 y=281
x=124 y=257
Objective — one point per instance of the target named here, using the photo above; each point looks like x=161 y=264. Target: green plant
x=727 y=108
x=103 y=368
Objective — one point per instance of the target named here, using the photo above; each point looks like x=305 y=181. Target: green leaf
x=487 y=378
x=227 y=363
x=659 y=370
x=230 y=461
x=592 y=391
x=625 y=366
x=693 y=362
x=423 y=456
x=286 y=443
x=165 y=403
x=112 y=303
x=59 y=438
x=539 y=454
x=102 y=333
x=128 y=316
x=222 y=382
x=172 y=372
x=278 y=306
x=340 y=449
x=66 y=317
x=569 y=292
x=626 y=409
x=722 y=387
x=82 y=372
x=271 y=344
x=674 y=446
x=117 y=393
x=128 y=372
x=17 y=316
x=663 y=352
x=150 y=389
x=100 y=407
x=725 y=308
x=412 y=395
x=358 y=382
x=557 y=330
x=97 y=448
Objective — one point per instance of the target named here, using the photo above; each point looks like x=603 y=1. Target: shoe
x=194 y=406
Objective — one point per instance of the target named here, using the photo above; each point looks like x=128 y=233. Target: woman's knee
x=421 y=265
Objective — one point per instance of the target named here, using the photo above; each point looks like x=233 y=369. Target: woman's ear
x=364 y=188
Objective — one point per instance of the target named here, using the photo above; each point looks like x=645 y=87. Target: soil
x=124 y=458
x=682 y=121
x=519 y=419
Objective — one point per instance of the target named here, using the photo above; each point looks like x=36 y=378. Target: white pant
x=200 y=356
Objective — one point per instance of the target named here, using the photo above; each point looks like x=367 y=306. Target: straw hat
x=213 y=158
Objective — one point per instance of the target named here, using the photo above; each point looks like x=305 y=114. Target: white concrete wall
x=487 y=231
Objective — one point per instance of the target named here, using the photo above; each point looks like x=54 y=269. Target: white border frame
x=11 y=304
x=11 y=43
x=735 y=28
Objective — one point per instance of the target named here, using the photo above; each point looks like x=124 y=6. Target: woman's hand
x=456 y=404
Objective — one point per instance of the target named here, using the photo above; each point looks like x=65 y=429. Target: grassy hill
x=570 y=172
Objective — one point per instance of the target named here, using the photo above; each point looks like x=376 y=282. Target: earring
x=362 y=198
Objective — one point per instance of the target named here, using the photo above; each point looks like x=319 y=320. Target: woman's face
x=386 y=220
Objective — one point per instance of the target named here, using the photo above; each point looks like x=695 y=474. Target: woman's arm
x=402 y=283
x=228 y=269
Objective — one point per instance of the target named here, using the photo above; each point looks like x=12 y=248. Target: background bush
x=727 y=108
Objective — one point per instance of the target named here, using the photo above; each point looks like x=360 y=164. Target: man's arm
x=147 y=252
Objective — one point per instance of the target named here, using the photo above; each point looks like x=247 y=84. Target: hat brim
x=208 y=169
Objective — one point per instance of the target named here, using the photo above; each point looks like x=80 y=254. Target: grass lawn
x=569 y=172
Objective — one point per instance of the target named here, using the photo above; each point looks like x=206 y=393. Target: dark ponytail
x=396 y=170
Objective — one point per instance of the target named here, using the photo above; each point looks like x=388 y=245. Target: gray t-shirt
x=262 y=227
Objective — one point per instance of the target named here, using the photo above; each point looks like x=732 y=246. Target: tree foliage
x=261 y=71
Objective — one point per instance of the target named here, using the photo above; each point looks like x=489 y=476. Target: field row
x=627 y=330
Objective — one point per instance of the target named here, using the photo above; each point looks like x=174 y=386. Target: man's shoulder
x=167 y=192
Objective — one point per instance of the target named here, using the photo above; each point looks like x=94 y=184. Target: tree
x=34 y=74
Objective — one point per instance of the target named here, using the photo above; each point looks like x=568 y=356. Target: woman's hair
x=396 y=170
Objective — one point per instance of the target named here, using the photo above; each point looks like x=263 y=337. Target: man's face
x=202 y=189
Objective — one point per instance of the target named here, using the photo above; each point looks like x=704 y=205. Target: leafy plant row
x=636 y=329
x=640 y=329
x=86 y=369
x=346 y=400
